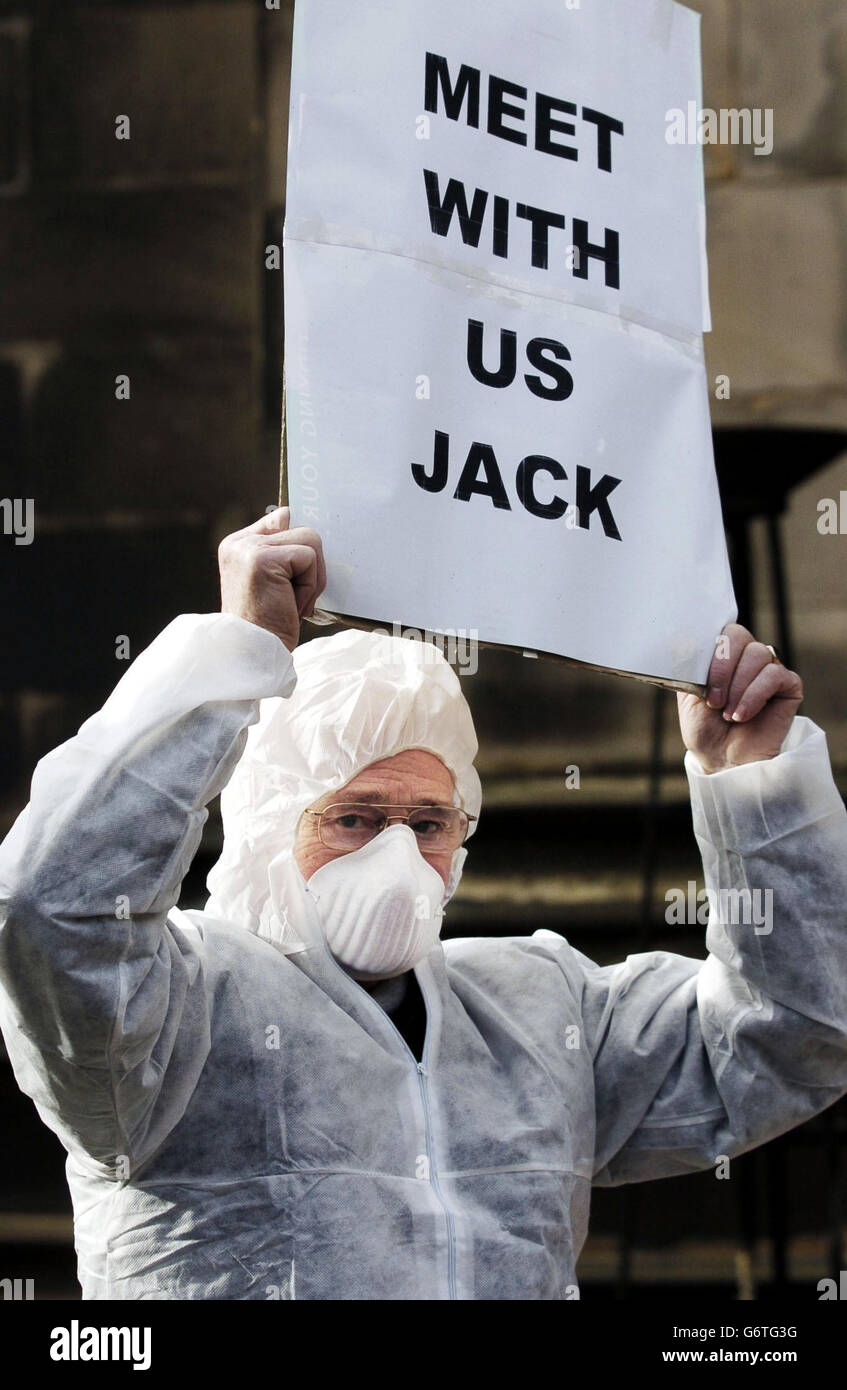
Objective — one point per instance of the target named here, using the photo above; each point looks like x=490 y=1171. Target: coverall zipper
x=423 y=1077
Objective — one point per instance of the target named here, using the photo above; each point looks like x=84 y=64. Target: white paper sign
x=495 y=293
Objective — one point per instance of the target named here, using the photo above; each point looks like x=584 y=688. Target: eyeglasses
x=348 y=825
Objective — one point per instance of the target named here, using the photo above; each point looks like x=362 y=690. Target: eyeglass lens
x=347 y=826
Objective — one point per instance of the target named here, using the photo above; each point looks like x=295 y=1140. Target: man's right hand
x=272 y=576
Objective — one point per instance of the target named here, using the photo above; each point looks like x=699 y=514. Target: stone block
x=66 y=599
x=777 y=276
x=186 y=438
x=793 y=59
x=185 y=76
x=97 y=262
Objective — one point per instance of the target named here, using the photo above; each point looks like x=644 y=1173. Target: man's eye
x=425 y=828
x=355 y=820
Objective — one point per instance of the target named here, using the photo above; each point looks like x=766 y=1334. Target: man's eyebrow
x=378 y=797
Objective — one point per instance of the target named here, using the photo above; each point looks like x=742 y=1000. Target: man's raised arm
x=100 y=996
x=696 y=1061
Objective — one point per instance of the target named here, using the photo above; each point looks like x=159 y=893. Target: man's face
x=409 y=779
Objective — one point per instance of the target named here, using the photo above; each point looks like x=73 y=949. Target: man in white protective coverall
x=301 y=1092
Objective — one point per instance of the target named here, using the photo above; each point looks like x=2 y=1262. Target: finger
x=775 y=682
x=304 y=535
x=277 y=520
x=299 y=565
x=728 y=649
x=754 y=658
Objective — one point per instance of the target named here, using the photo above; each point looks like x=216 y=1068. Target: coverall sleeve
x=102 y=998
x=700 y=1059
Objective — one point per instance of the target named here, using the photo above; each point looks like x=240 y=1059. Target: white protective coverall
x=243 y=1120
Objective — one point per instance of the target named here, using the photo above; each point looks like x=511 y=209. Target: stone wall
x=140 y=257
x=777 y=235
x=145 y=257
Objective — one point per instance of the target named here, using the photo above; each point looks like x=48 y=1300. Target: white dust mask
x=380 y=906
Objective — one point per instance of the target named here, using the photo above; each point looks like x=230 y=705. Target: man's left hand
x=750 y=703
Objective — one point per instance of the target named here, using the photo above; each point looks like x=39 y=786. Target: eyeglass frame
x=404 y=820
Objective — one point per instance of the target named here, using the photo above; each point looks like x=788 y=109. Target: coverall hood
x=360 y=697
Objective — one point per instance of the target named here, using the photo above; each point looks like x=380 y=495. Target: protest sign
x=495 y=295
